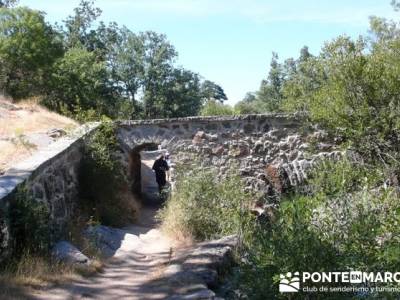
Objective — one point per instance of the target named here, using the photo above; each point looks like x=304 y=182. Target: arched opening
x=143 y=182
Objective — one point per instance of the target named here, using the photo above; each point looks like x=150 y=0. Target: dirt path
x=129 y=274
x=148 y=265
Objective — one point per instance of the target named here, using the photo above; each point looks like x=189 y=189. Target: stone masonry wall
x=271 y=151
x=50 y=177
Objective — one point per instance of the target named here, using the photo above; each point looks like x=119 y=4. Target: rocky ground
x=143 y=263
x=27 y=127
x=148 y=265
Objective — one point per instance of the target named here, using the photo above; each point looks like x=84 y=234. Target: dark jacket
x=160 y=166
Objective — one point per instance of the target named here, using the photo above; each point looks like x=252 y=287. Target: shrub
x=29 y=224
x=353 y=92
x=103 y=187
x=345 y=223
x=214 y=108
x=205 y=207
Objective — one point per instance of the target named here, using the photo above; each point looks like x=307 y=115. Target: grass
x=30 y=117
x=17 y=121
x=35 y=272
x=204 y=206
x=32 y=271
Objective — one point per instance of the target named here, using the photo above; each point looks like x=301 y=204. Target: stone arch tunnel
x=270 y=152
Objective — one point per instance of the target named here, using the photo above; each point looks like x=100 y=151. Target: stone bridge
x=270 y=152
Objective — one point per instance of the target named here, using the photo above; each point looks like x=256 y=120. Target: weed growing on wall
x=29 y=223
x=102 y=181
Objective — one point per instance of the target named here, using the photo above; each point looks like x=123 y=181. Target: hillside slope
x=27 y=127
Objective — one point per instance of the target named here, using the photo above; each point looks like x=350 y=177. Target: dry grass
x=20 y=277
x=30 y=117
x=34 y=272
x=18 y=121
x=172 y=225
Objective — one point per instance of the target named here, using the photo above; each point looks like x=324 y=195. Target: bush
x=250 y=107
x=103 y=187
x=345 y=223
x=29 y=224
x=354 y=93
x=205 y=207
x=214 y=108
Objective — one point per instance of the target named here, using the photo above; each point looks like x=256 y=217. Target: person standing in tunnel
x=160 y=167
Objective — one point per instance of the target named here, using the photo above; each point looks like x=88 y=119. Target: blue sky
x=231 y=41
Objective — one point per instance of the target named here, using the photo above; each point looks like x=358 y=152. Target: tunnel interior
x=143 y=183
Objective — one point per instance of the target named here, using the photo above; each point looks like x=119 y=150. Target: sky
x=231 y=42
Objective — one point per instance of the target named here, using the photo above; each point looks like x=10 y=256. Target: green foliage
x=205 y=207
x=127 y=64
x=29 y=224
x=270 y=93
x=8 y=3
x=214 y=108
x=78 y=81
x=178 y=96
x=28 y=47
x=358 y=96
x=351 y=89
x=87 y=66
x=345 y=223
x=299 y=88
x=101 y=180
x=336 y=178
x=78 y=25
x=293 y=79
x=212 y=92
x=250 y=106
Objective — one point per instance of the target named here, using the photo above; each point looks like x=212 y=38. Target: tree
x=159 y=56
x=28 y=48
x=212 y=92
x=78 y=25
x=249 y=97
x=128 y=66
x=182 y=96
x=299 y=88
x=304 y=54
x=78 y=82
x=270 y=91
x=214 y=108
x=249 y=105
x=396 y=5
x=8 y=3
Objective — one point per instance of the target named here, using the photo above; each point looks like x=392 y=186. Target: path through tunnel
x=144 y=185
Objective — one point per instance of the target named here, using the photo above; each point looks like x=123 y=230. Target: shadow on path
x=148 y=265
